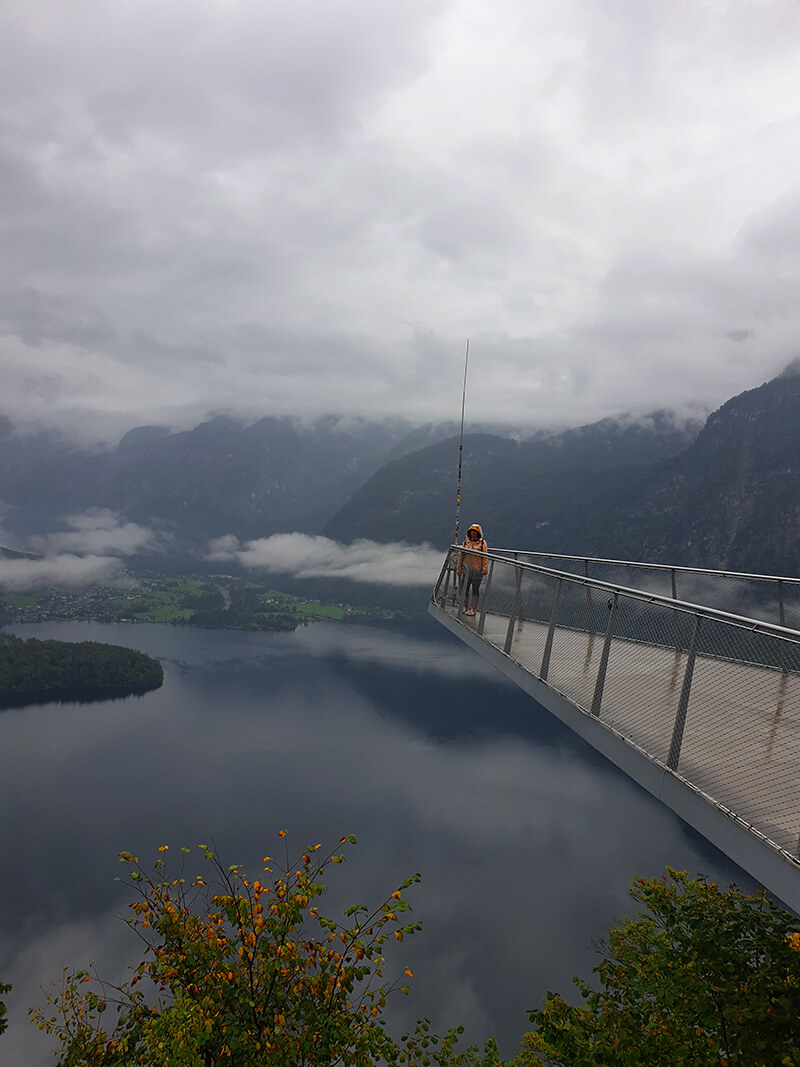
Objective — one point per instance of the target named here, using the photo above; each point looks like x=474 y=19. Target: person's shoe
x=464 y=610
x=471 y=612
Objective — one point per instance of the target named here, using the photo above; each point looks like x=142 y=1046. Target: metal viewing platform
x=688 y=680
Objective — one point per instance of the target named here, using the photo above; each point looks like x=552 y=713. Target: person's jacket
x=471 y=559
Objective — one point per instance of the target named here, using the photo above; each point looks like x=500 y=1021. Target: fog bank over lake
x=525 y=838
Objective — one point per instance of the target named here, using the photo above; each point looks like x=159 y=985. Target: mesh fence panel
x=576 y=644
x=774 y=600
x=741 y=739
x=538 y=592
x=536 y=595
x=752 y=598
x=632 y=577
x=643 y=680
x=791 y=600
x=502 y=589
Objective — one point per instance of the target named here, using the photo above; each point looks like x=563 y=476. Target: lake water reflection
x=526 y=840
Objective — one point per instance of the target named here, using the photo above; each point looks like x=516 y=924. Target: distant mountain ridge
x=723 y=495
x=222 y=476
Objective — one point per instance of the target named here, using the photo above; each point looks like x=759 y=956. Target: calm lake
x=525 y=838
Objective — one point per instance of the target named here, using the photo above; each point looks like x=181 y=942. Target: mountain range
x=722 y=492
x=222 y=476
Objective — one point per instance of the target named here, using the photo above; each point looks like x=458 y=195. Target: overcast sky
x=303 y=207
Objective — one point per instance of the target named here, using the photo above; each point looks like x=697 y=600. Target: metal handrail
x=668 y=567
x=757 y=625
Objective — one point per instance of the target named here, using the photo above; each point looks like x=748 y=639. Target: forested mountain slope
x=730 y=500
x=544 y=493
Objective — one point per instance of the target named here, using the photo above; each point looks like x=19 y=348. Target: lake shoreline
x=72 y=695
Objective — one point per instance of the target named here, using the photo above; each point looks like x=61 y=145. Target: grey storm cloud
x=305 y=556
x=307 y=208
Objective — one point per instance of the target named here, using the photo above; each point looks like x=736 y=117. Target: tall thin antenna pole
x=461 y=443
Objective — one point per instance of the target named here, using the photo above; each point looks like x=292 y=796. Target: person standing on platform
x=476 y=565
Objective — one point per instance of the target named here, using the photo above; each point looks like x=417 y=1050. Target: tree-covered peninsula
x=31 y=669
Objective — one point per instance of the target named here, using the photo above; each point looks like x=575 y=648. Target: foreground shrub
x=3 y=1019
x=242 y=971
x=702 y=976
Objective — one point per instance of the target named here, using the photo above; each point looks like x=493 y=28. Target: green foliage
x=35 y=666
x=3 y=1020
x=246 y=611
x=18 y=600
x=701 y=977
x=424 y=1048
x=168 y=600
x=241 y=972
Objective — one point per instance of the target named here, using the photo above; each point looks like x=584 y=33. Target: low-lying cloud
x=90 y=551
x=21 y=575
x=303 y=556
x=98 y=532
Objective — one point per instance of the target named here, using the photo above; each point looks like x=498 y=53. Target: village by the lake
x=222 y=601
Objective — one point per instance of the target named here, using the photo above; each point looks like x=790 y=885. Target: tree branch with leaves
x=244 y=971
x=701 y=976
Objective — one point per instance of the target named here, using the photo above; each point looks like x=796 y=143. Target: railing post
x=676 y=630
x=588 y=596
x=680 y=718
x=782 y=619
x=597 y=699
x=452 y=576
x=514 y=610
x=548 y=645
x=520 y=607
x=486 y=592
x=443 y=577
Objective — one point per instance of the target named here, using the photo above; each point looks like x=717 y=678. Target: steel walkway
x=698 y=704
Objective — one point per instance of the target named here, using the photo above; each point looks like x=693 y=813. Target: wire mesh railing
x=758 y=596
x=712 y=695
